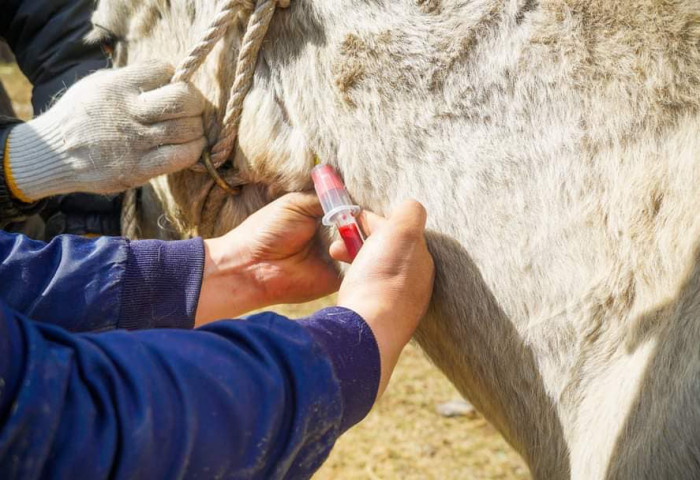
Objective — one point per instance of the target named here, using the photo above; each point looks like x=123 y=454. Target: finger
x=370 y=222
x=148 y=75
x=305 y=203
x=172 y=158
x=339 y=252
x=175 y=132
x=410 y=215
x=177 y=100
x=329 y=275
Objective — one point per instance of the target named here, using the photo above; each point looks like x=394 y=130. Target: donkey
x=556 y=146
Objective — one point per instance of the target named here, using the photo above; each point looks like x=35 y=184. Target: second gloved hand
x=113 y=130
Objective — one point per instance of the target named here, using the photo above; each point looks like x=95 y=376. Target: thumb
x=409 y=215
x=304 y=203
x=148 y=75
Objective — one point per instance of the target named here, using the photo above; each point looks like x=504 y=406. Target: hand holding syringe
x=338 y=208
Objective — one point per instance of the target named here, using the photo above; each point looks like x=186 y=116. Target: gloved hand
x=113 y=130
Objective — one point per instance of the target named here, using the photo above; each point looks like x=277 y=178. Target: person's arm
x=93 y=285
x=88 y=144
x=262 y=398
x=101 y=284
x=274 y=257
x=46 y=37
x=111 y=131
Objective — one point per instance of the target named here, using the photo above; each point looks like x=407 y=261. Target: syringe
x=338 y=208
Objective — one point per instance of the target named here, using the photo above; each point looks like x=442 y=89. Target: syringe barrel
x=331 y=192
x=338 y=208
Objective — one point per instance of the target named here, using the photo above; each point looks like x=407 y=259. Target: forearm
x=238 y=399
x=229 y=288
x=101 y=284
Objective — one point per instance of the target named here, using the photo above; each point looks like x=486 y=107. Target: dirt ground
x=403 y=437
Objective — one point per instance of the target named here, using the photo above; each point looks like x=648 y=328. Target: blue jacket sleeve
x=102 y=284
x=263 y=398
x=46 y=36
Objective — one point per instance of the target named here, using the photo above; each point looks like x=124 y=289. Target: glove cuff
x=11 y=208
x=37 y=163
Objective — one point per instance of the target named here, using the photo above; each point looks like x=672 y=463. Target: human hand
x=390 y=282
x=273 y=257
x=111 y=131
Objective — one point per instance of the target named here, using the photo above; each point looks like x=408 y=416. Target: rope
x=218 y=28
x=245 y=68
x=258 y=25
x=129 y=216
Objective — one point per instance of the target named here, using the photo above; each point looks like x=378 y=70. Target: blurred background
x=420 y=429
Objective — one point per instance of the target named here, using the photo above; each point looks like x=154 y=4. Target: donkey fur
x=556 y=146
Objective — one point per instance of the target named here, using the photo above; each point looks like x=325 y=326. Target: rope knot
x=247 y=5
x=258 y=23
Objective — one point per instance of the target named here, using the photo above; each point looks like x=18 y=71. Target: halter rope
x=216 y=156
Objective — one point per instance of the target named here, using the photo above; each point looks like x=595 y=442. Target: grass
x=403 y=437
x=18 y=88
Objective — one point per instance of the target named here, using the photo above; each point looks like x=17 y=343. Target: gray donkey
x=556 y=146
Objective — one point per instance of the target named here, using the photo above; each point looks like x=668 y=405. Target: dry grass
x=18 y=88
x=403 y=437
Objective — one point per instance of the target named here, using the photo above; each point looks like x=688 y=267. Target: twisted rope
x=224 y=16
x=258 y=25
x=129 y=216
x=245 y=68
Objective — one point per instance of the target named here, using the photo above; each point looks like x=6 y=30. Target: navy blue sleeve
x=46 y=36
x=101 y=284
x=257 y=399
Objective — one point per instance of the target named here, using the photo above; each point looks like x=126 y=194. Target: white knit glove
x=113 y=130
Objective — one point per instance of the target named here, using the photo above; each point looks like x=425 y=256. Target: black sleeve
x=46 y=36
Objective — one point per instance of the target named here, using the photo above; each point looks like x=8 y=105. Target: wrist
x=161 y=283
x=229 y=285
x=386 y=329
x=12 y=208
x=36 y=163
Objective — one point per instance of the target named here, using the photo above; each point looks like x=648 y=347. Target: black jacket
x=46 y=36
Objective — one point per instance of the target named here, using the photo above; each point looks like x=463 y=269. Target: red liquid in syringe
x=338 y=208
x=352 y=238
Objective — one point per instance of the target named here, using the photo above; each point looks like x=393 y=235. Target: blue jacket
x=259 y=398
